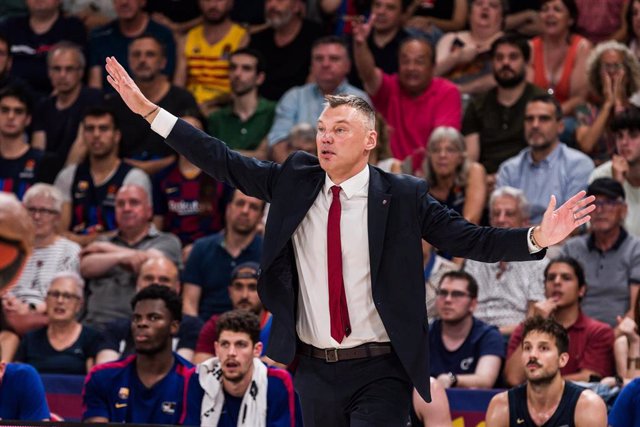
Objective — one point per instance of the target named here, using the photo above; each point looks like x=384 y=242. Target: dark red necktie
x=338 y=311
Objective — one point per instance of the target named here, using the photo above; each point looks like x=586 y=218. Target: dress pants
x=373 y=391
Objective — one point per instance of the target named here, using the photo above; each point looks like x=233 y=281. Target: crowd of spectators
x=497 y=104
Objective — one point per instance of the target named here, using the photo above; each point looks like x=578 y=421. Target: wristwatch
x=453 y=379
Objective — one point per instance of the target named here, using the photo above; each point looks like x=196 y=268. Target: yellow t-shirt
x=208 y=65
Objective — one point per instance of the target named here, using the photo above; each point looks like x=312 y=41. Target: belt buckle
x=331 y=355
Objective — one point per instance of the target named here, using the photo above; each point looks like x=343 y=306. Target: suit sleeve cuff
x=163 y=123
x=533 y=247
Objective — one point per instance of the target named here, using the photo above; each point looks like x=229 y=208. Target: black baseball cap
x=608 y=187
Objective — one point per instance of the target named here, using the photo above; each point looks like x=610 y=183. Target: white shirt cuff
x=163 y=123
x=532 y=248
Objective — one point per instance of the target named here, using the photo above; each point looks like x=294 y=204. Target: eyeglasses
x=64 y=295
x=443 y=293
x=607 y=203
x=41 y=211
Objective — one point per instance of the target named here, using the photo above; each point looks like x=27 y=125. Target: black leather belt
x=331 y=355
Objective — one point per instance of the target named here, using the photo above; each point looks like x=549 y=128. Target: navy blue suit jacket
x=400 y=214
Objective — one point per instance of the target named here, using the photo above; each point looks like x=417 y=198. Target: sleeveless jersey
x=563 y=416
x=208 y=65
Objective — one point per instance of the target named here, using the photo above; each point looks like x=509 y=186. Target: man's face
x=65 y=71
x=561 y=285
x=236 y=352
x=100 y=136
x=505 y=213
x=329 y=65
x=415 y=68
x=541 y=128
x=128 y=9
x=243 y=74
x=608 y=215
x=159 y=271
x=243 y=293
x=509 y=66
x=628 y=145
x=133 y=210
x=152 y=327
x=541 y=358
x=388 y=15
x=454 y=303
x=5 y=59
x=343 y=142
x=215 y=11
x=13 y=117
x=146 y=59
x=279 y=13
x=244 y=213
x=43 y=215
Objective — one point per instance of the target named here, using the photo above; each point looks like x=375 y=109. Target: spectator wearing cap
x=610 y=256
x=243 y=292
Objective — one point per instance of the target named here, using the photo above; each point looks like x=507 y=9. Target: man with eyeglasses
x=243 y=292
x=464 y=351
x=57 y=118
x=90 y=188
x=610 y=256
x=19 y=161
x=547 y=166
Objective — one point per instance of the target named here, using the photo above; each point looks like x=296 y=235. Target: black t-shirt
x=138 y=140
x=516 y=6
x=440 y=9
x=248 y=12
x=29 y=50
x=287 y=66
x=36 y=350
x=176 y=10
x=61 y=127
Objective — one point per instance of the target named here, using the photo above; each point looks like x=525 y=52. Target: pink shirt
x=598 y=20
x=411 y=120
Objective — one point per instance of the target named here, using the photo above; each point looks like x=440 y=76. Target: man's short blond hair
x=355 y=102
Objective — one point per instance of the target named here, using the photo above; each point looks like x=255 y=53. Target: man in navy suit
x=342 y=259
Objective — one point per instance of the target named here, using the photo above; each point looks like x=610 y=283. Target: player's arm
x=591 y=410
x=498 y=411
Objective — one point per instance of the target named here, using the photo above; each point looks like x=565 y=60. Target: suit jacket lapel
x=378 y=209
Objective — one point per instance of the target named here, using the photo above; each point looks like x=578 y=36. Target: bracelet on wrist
x=150 y=112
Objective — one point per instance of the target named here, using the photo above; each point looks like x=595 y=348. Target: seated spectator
x=302 y=137
x=412 y=102
x=31 y=37
x=547 y=166
x=287 y=39
x=208 y=270
x=89 y=188
x=590 y=341
x=139 y=145
x=493 y=123
x=64 y=346
x=625 y=410
x=624 y=166
x=203 y=55
x=614 y=76
x=245 y=123
x=111 y=264
x=149 y=387
x=24 y=306
x=19 y=162
x=178 y=15
x=237 y=380
x=22 y=395
x=197 y=208
x=113 y=39
x=464 y=352
x=454 y=180
x=464 y=57
x=602 y=20
x=433 y=17
x=118 y=340
x=386 y=34
x=626 y=350
x=559 y=62
x=330 y=66
x=610 y=256
x=435 y=266
x=507 y=290
x=547 y=398
x=57 y=118
x=6 y=61
x=16 y=240
x=243 y=293
x=433 y=414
